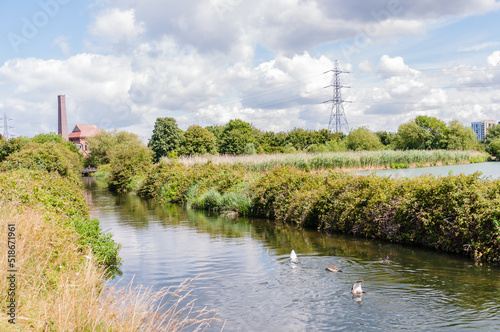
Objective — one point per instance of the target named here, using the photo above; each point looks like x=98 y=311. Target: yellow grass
x=58 y=288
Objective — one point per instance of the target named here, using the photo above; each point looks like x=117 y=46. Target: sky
x=123 y=63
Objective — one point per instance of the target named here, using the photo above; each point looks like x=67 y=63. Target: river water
x=243 y=270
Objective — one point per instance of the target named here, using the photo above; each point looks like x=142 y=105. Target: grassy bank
x=362 y=160
x=61 y=257
x=455 y=214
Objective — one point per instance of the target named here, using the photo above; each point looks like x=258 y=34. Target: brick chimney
x=62 y=122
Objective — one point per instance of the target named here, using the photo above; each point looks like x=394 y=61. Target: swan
x=332 y=268
x=293 y=256
x=356 y=288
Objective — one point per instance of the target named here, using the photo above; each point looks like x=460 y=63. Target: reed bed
x=362 y=160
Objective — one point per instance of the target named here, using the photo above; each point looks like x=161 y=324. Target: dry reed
x=58 y=288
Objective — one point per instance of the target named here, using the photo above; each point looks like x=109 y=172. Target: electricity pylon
x=337 y=114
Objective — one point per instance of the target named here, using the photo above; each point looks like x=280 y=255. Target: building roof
x=84 y=130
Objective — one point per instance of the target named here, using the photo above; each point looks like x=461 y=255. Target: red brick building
x=80 y=133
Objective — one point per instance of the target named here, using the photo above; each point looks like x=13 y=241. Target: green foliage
x=363 y=139
x=166 y=137
x=427 y=133
x=197 y=140
x=91 y=236
x=235 y=136
x=385 y=137
x=62 y=201
x=54 y=138
x=105 y=143
x=492 y=134
x=460 y=137
x=8 y=147
x=494 y=148
x=128 y=166
x=50 y=157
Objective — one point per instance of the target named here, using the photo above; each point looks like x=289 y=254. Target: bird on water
x=356 y=288
x=293 y=257
x=332 y=268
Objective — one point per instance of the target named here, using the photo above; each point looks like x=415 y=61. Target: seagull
x=356 y=288
x=332 y=268
x=293 y=257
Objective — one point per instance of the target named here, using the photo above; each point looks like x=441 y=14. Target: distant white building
x=481 y=128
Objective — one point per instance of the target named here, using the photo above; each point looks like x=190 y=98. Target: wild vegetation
x=63 y=257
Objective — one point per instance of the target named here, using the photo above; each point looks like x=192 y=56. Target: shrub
x=49 y=157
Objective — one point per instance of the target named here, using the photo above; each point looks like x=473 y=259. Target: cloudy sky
x=123 y=63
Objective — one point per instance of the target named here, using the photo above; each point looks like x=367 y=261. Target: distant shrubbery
x=238 y=137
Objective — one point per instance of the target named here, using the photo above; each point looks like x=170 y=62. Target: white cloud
x=479 y=47
x=494 y=59
x=116 y=26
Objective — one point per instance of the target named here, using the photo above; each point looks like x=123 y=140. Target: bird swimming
x=356 y=288
x=332 y=268
x=293 y=257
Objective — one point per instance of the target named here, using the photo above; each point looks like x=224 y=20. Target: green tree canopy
x=235 y=136
x=492 y=134
x=197 y=140
x=166 y=137
x=363 y=139
x=460 y=137
x=103 y=144
x=424 y=132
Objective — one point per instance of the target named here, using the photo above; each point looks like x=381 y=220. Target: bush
x=127 y=166
x=49 y=157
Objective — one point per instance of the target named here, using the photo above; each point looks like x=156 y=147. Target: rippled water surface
x=243 y=271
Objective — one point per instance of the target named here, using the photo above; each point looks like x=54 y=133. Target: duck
x=332 y=268
x=387 y=260
x=356 y=288
x=293 y=257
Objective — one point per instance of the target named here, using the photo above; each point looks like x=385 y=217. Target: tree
x=197 y=140
x=385 y=137
x=126 y=165
x=166 y=137
x=103 y=144
x=235 y=136
x=410 y=136
x=434 y=132
x=492 y=134
x=494 y=148
x=459 y=137
x=363 y=139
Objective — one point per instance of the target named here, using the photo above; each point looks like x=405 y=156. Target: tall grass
x=363 y=160
x=60 y=289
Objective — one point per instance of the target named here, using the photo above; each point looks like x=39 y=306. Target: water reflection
x=244 y=271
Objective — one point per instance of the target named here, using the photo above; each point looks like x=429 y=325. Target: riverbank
x=456 y=214
x=57 y=261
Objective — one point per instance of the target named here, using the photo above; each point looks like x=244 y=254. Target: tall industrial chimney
x=62 y=122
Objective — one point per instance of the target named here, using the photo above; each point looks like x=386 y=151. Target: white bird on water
x=356 y=288
x=293 y=257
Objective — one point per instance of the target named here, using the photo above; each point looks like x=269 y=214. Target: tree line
x=238 y=137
